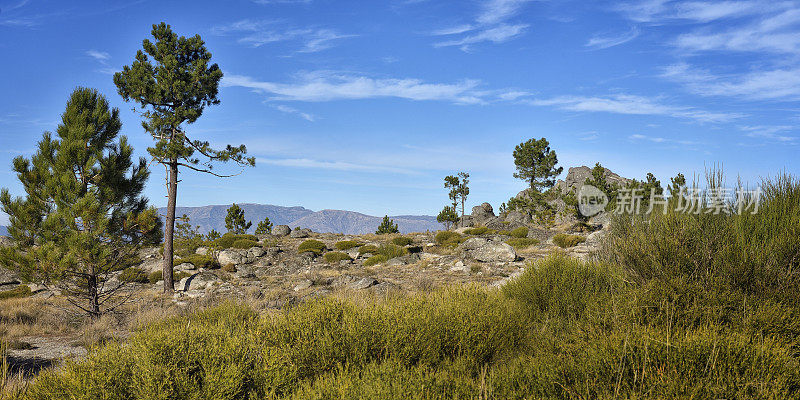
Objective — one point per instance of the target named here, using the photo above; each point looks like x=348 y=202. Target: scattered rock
x=303 y=285
x=495 y=252
x=363 y=283
x=281 y=230
x=8 y=277
x=300 y=233
x=197 y=281
x=202 y=251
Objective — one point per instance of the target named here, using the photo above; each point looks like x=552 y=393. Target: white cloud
x=604 y=42
x=661 y=11
x=335 y=165
x=777 y=84
x=497 y=11
x=775 y=133
x=325 y=86
x=778 y=34
x=657 y=139
x=99 y=55
x=259 y=33
x=291 y=110
x=630 y=104
x=498 y=34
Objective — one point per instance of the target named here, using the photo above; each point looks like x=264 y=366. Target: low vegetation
x=133 y=275
x=522 y=243
x=369 y=248
x=334 y=257
x=244 y=244
x=313 y=246
x=18 y=292
x=402 y=241
x=480 y=230
x=347 y=244
x=199 y=261
x=448 y=239
x=564 y=240
x=374 y=260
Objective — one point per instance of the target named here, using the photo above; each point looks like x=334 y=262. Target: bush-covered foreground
x=682 y=306
x=565 y=329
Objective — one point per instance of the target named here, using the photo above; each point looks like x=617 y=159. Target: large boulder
x=576 y=177
x=281 y=230
x=8 y=277
x=494 y=252
x=198 y=281
x=300 y=233
x=238 y=256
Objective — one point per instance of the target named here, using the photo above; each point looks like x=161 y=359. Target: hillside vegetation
x=683 y=306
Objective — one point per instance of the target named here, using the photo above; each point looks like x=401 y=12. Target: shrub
x=480 y=230
x=372 y=249
x=347 y=244
x=521 y=232
x=244 y=244
x=448 y=238
x=334 y=257
x=180 y=275
x=376 y=259
x=314 y=246
x=17 y=292
x=226 y=241
x=199 y=261
x=521 y=243
x=230 y=268
x=391 y=251
x=564 y=240
x=133 y=275
x=155 y=276
x=402 y=241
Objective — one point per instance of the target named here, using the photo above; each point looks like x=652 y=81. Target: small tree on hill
x=173 y=81
x=459 y=190
x=264 y=227
x=235 y=221
x=387 y=226
x=463 y=192
x=536 y=164
x=83 y=217
x=447 y=216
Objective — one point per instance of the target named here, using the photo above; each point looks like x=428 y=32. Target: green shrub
x=227 y=240
x=448 y=238
x=180 y=275
x=564 y=240
x=521 y=232
x=347 y=244
x=314 y=246
x=390 y=251
x=402 y=241
x=230 y=268
x=480 y=230
x=155 y=276
x=244 y=244
x=199 y=261
x=372 y=249
x=18 y=292
x=376 y=259
x=133 y=275
x=334 y=257
x=521 y=243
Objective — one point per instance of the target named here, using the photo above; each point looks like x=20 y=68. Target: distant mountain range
x=333 y=221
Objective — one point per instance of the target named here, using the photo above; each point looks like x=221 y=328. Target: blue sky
x=367 y=105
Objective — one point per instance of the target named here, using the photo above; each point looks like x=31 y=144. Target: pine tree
x=83 y=217
x=264 y=227
x=387 y=226
x=463 y=192
x=173 y=90
x=235 y=221
x=459 y=190
x=447 y=216
x=536 y=164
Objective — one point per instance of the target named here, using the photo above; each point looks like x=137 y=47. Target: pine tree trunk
x=94 y=296
x=169 y=227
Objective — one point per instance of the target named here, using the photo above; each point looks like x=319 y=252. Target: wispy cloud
x=490 y=25
x=661 y=11
x=98 y=55
x=633 y=105
x=335 y=165
x=776 y=84
x=778 y=33
x=775 y=133
x=326 y=86
x=291 y=110
x=606 y=41
x=259 y=33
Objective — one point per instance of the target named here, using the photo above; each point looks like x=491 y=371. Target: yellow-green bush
x=521 y=232
x=448 y=238
x=480 y=230
x=402 y=241
x=312 y=245
x=17 y=292
x=244 y=244
x=347 y=244
x=564 y=240
x=199 y=261
x=376 y=259
x=369 y=248
x=521 y=243
x=390 y=251
x=334 y=257
x=227 y=240
x=155 y=276
x=133 y=274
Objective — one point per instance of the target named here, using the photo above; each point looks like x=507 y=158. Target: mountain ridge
x=324 y=221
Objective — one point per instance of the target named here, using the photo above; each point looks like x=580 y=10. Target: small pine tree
x=83 y=217
x=213 y=235
x=235 y=222
x=447 y=216
x=264 y=227
x=459 y=190
x=536 y=164
x=387 y=226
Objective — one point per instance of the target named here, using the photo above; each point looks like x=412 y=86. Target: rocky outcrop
x=299 y=233
x=281 y=230
x=577 y=176
x=486 y=250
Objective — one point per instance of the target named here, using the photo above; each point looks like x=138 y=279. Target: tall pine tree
x=173 y=80
x=83 y=217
